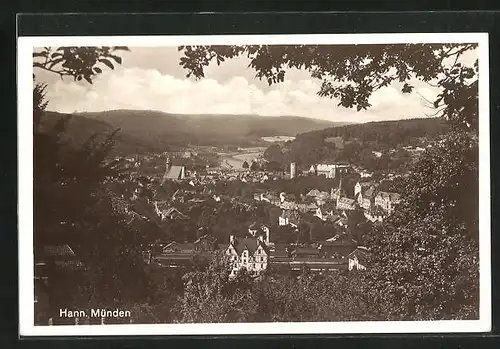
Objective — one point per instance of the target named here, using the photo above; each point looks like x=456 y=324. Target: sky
x=150 y=78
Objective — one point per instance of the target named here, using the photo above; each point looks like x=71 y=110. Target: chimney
x=261 y=238
x=231 y=239
x=282 y=197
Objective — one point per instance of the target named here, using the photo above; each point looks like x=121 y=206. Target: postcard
x=254 y=184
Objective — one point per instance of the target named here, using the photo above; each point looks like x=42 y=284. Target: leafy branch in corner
x=83 y=62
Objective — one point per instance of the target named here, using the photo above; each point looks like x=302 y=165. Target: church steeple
x=168 y=165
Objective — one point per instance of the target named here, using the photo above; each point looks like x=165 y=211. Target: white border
x=25 y=186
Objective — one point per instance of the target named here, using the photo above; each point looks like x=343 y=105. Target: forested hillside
x=357 y=143
x=145 y=131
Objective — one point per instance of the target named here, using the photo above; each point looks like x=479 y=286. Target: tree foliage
x=425 y=256
x=211 y=296
x=74 y=206
x=81 y=62
x=352 y=73
x=356 y=144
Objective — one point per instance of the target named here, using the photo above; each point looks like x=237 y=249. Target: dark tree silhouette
x=77 y=62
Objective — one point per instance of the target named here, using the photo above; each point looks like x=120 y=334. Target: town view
x=216 y=184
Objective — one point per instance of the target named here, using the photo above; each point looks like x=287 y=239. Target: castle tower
x=293 y=170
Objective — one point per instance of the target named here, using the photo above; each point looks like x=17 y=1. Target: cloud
x=147 y=88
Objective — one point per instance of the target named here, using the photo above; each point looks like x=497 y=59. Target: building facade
x=249 y=253
x=387 y=201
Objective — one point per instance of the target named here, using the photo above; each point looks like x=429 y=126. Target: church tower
x=168 y=165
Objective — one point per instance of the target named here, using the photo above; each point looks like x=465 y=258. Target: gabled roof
x=208 y=237
x=346 y=201
x=172 y=211
x=361 y=253
x=174 y=172
x=179 y=247
x=250 y=244
x=314 y=192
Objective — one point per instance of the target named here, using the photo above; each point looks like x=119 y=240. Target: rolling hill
x=145 y=130
x=355 y=143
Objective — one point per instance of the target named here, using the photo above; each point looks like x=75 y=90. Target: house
x=387 y=201
x=364 y=194
x=361 y=187
x=255 y=228
x=289 y=217
x=249 y=253
x=329 y=171
x=346 y=204
x=287 y=205
x=375 y=214
x=357 y=258
x=307 y=208
x=320 y=197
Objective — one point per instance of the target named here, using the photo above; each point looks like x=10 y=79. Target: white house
x=249 y=253
x=357 y=258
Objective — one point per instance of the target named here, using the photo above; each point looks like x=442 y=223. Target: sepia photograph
x=254 y=184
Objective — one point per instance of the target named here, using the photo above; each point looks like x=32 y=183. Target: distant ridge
x=147 y=130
